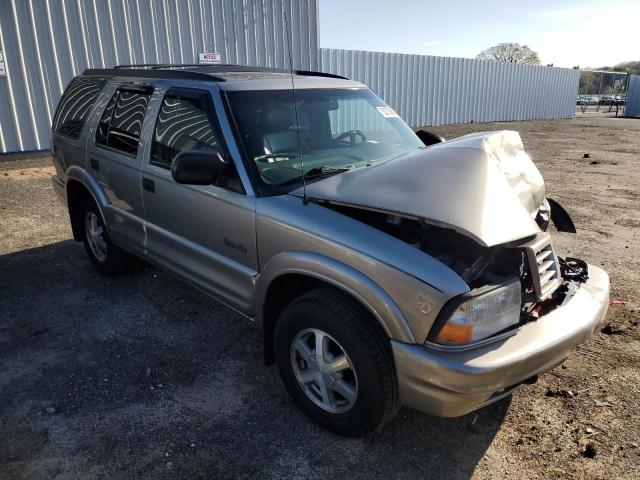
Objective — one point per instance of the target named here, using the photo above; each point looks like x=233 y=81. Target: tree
x=510 y=52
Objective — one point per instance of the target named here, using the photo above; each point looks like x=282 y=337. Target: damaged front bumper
x=453 y=383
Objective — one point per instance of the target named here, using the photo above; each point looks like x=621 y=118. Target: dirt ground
x=144 y=377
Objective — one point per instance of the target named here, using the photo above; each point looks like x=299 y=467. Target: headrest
x=276 y=118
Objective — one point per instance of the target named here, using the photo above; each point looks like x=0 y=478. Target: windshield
x=339 y=128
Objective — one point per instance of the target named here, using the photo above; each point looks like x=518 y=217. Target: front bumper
x=452 y=383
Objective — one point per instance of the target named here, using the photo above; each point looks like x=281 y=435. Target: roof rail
x=156 y=66
x=153 y=73
x=220 y=68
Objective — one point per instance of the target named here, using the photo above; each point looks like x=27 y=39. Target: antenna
x=305 y=200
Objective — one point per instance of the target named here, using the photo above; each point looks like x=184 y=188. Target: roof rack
x=222 y=68
x=157 y=66
x=135 y=71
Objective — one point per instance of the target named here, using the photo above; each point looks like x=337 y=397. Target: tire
x=107 y=258
x=348 y=327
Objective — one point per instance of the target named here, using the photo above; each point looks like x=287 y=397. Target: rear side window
x=121 y=122
x=184 y=123
x=75 y=105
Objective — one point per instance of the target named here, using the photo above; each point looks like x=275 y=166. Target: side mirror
x=199 y=167
x=429 y=138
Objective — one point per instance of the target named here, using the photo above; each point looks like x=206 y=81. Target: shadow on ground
x=142 y=376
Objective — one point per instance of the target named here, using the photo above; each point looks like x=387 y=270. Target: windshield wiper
x=315 y=172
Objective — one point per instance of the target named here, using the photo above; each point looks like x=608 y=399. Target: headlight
x=478 y=314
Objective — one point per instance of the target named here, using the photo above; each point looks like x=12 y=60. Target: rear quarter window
x=76 y=104
x=121 y=123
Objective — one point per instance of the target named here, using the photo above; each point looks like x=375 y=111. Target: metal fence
x=428 y=90
x=633 y=97
x=47 y=42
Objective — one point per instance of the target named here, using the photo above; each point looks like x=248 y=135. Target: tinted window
x=75 y=105
x=121 y=121
x=183 y=124
x=336 y=128
x=103 y=127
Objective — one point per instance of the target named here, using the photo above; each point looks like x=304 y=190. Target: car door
x=204 y=233
x=115 y=160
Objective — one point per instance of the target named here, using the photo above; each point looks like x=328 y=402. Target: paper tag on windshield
x=387 y=112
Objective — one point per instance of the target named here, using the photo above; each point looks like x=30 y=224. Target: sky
x=588 y=33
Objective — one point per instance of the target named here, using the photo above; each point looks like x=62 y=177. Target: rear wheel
x=336 y=363
x=105 y=256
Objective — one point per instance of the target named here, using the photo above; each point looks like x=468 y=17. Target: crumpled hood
x=482 y=185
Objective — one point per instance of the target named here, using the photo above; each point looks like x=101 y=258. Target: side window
x=103 y=127
x=75 y=105
x=183 y=124
x=121 y=122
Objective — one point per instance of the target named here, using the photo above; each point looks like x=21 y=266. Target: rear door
x=204 y=233
x=115 y=160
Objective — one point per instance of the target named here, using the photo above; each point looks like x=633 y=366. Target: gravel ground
x=142 y=376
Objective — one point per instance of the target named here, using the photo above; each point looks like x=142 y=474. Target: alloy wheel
x=96 y=236
x=324 y=370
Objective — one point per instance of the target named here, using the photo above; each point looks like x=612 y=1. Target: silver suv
x=383 y=267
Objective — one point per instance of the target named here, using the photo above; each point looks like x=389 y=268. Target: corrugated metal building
x=47 y=42
x=427 y=90
x=633 y=97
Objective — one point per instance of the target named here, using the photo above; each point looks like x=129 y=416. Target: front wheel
x=336 y=363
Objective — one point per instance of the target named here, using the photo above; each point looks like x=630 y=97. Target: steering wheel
x=351 y=135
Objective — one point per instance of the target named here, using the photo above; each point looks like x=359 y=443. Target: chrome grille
x=543 y=265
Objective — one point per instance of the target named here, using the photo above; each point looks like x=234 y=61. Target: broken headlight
x=478 y=314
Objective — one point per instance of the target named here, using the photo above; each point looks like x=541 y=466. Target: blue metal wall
x=428 y=90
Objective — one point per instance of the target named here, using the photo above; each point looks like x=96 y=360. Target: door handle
x=94 y=164
x=148 y=185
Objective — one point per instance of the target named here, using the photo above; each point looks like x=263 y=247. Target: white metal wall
x=427 y=90
x=633 y=97
x=47 y=42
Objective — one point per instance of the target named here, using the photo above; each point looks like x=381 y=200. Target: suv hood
x=482 y=185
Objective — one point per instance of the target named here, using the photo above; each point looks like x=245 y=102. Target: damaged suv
x=382 y=267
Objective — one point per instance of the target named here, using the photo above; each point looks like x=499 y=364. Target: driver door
x=204 y=233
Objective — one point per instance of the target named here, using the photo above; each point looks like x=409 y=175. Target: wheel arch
x=79 y=187
x=288 y=275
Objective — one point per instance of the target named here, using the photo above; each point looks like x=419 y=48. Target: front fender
x=343 y=277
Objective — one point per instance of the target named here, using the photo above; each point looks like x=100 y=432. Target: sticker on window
x=387 y=112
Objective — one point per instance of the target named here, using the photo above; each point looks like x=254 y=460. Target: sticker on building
x=387 y=112
x=209 y=58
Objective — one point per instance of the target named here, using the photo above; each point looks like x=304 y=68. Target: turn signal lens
x=452 y=333
x=481 y=313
